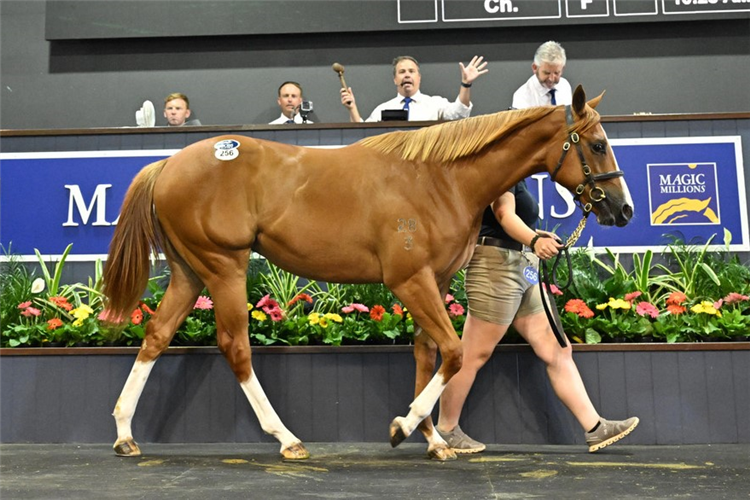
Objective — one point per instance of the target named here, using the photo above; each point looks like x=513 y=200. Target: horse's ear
x=579 y=100
x=595 y=101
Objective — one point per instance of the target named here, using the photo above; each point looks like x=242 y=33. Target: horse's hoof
x=296 y=451
x=127 y=448
x=442 y=453
x=397 y=432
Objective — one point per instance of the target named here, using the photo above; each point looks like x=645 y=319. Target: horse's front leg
x=421 y=296
x=177 y=303
x=230 y=305
x=425 y=356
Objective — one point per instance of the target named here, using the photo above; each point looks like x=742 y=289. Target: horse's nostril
x=627 y=212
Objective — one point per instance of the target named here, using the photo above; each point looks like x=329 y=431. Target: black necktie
x=289 y=121
x=553 y=101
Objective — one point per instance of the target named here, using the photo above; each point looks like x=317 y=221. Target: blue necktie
x=553 y=101
x=289 y=121
x=407 y=101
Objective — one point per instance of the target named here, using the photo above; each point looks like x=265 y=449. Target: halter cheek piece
x=596 y=193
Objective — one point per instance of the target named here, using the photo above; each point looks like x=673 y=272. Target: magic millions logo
x=683 y=193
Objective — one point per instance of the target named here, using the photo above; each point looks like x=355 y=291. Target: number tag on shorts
x=531 y=274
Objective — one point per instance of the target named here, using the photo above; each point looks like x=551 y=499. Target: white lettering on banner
x=98 y=200
x=569 y=203
x=494 y=6
x=585 y=3
x=564 y=194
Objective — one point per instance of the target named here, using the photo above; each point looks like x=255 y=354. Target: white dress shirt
x=283 y=119
x=425 y=108
x=532 y=93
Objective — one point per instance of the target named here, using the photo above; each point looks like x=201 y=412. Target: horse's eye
x=599 y=148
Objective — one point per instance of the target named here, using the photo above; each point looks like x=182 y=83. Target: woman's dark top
x=526 y=208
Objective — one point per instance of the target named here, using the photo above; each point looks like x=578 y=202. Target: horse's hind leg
x=177 y=303
x=228 y=290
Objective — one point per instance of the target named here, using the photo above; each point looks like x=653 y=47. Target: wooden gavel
x=339 y=68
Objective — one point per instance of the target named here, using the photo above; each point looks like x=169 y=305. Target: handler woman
x=500 y=294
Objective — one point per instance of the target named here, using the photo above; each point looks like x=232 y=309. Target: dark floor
x=374 y=471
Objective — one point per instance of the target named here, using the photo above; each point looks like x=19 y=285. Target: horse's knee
x=452 y=359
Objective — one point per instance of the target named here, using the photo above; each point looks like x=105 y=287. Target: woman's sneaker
x=460 y=442
x=608 y=432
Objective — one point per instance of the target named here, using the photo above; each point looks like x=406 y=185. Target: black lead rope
x=546 y=280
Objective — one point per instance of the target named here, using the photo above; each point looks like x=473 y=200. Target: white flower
x=37 y=286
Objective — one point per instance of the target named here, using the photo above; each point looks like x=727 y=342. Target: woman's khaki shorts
x=496 y=288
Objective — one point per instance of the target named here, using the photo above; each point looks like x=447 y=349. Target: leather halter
x=596 y=193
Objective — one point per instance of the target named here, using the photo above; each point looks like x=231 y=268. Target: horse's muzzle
x=619 y=215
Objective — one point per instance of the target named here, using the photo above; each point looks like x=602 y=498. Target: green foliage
x=698 y=295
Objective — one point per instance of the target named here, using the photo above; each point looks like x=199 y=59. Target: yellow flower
x=314 y=318
x=81 y=313
x=323 y=322
x=706 y=307
x=334 y=317
x=614 y=304
x=259 y=315
x=618 y=304
x=249 y=306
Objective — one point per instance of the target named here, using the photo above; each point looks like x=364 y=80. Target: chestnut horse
x=402 y=208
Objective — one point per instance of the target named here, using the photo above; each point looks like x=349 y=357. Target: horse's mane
x=450 y=141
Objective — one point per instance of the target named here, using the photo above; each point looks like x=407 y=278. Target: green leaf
x=592 y=336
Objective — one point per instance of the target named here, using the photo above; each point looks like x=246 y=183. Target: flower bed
x=696 y=295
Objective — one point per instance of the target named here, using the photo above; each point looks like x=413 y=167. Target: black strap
x=546 y=280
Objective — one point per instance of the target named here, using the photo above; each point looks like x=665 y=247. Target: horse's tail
x=136 y=237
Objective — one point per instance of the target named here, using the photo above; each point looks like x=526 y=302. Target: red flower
x=377 y=312
x=398 y=310
x=61 y=302
x=136 y=316
x=146 y=308
x=301 y=296
x=630 y=297
x=54 y=323
x=579 y=307
x=675 y=309
x=676 y=298
x=267 y=304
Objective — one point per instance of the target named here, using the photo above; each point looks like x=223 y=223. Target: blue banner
x=688 y=187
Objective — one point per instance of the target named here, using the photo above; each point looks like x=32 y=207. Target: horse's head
x=590 y=172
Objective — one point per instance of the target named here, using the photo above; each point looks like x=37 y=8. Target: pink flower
x=455 y=310
x=204 y=303
x=632 y=296
x=553 y=288
x=718 y=303
x=24 y=305
x=275 y=314
x=355 y=307
x=646 y=308
x=31 y=311
x=449 y=298
x=267 y=304
x=735 y=297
